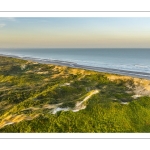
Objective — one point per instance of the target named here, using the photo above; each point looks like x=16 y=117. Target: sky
x=94 y=32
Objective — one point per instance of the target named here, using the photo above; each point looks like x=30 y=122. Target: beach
x=143 y=75
x=98 y=69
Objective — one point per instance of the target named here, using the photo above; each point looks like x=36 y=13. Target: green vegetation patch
x=33 y=90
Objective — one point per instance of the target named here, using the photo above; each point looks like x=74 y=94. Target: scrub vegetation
x=41 y=98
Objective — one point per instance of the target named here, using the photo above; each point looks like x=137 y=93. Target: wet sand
x=75 y=65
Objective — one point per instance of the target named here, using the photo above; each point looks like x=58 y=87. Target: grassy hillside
x=48 y=98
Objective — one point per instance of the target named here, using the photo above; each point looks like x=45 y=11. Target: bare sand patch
x=141 y=87
x=81 y=105
x=11 y=119
x=44 y=72
x=60 y=109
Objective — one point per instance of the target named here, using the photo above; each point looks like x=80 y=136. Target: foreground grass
x=98 y=117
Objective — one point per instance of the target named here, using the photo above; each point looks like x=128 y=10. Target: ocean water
x=124 y=59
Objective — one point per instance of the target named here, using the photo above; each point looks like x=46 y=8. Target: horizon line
x=75 y=47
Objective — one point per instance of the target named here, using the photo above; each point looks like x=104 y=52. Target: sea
x=129 y=59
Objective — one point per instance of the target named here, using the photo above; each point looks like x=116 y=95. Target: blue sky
x=75 y=32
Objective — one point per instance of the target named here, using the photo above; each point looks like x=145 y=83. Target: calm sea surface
x=125 y=59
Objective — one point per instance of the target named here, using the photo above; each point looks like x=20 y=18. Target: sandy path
x=80 y=105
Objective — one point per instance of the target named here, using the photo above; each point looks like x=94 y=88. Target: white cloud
x=2 y=25
x=7 y=19
x=10 y=19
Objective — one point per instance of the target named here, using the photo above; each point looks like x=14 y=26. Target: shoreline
x=92 y=68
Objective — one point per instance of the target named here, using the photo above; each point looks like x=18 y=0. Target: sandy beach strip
x=92 y=68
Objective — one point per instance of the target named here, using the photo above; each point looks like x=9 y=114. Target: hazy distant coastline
x=75 y=65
